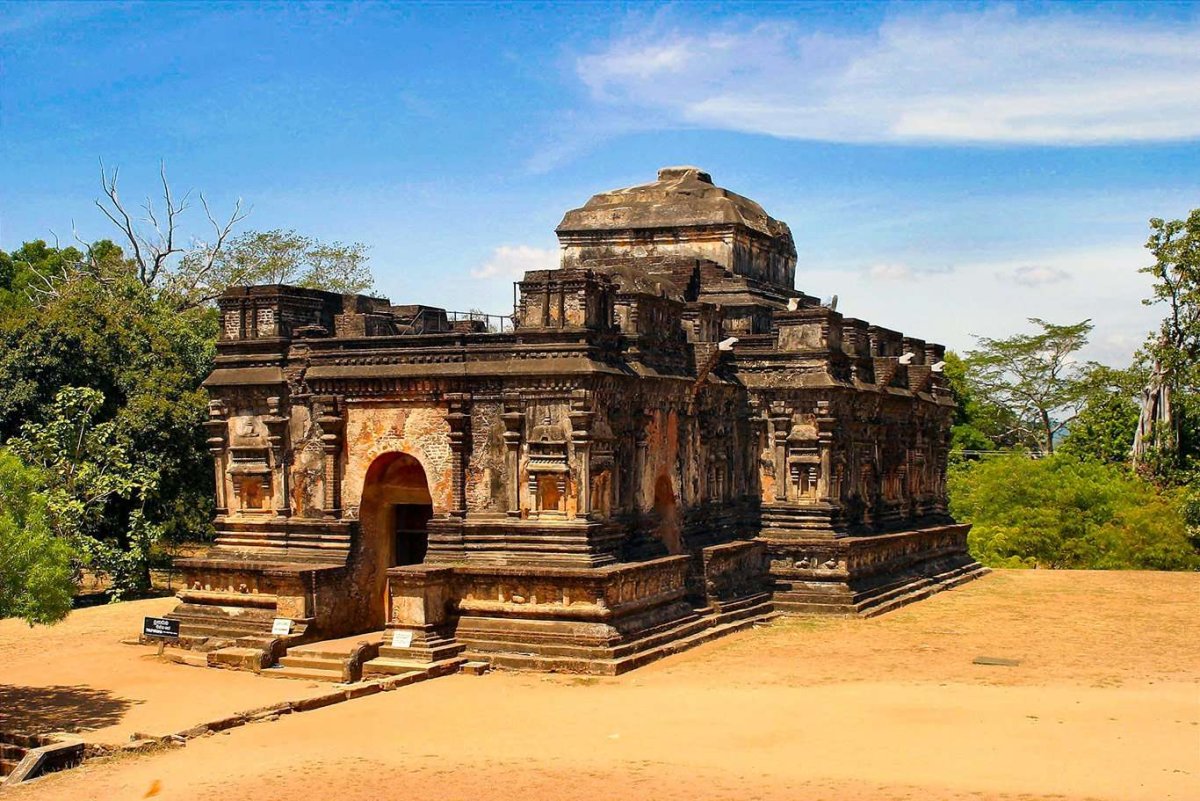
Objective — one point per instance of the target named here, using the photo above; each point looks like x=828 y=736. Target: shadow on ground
x=38 y=710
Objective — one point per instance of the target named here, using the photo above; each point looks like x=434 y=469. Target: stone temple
x=666 y=441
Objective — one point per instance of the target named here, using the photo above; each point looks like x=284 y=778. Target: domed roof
x=681 y=197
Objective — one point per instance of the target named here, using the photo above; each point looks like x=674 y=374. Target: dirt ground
x=1105 y=704
x=77 y=676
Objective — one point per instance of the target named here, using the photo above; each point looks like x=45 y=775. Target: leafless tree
x=154 y=238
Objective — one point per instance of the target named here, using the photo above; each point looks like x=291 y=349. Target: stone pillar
x=825 y=423
x=218 y=438
x=641 y=420
x=332 y=427
x=459 y=418
x=781 y=424
x=581 y=438
x=514 y=421
x=276 y=424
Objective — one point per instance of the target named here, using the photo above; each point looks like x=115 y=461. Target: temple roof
x=681 y=197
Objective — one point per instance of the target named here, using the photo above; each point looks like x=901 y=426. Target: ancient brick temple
x=667 y=441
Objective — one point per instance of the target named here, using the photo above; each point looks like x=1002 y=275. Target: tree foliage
x=89 y=477
x=36 y=577
x=271 y=257
x=979 y=424
x=1064 y=512
x=136 y=363
x=1034 y=378
x=1103 y=430
x=1166 y=443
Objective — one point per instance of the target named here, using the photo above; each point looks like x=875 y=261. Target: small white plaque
x=282 y=627
x=401 y=638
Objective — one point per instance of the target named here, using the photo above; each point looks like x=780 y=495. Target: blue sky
x=947 y=170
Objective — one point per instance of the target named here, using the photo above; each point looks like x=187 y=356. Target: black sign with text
x=160 y=627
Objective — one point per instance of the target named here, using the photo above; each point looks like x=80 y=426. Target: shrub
x=1061 y=512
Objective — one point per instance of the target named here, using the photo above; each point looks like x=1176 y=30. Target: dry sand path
x=1104 y=705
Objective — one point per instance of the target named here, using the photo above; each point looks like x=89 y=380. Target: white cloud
x=512 y=261
x=1038 y=275
x=890 y=272
x=951 y=307
x=992 y=76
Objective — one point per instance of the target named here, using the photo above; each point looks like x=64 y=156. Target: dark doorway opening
x=411 y=533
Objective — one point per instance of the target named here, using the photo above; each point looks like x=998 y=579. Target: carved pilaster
x=276 y=424
x=514 y=422
x=458 y=417
x=781 y=424
x=825 y=425
x=218 y=438
x=332 y=428
x=581 y=438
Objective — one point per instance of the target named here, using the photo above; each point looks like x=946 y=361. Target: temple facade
x=666 y=441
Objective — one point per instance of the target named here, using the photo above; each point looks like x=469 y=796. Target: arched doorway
x=394 y=515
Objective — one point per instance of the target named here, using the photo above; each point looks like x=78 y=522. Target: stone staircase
x=923 y=587
x=355 y=659
x=208 y=627
x=703 y=625
x=392 y=661
x=835 y=599
x=333 y=660
x=11 y=753
x=28 y=756
x=802 y=521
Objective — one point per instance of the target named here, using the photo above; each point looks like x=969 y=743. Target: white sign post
x=402 y=638
x=282 y=627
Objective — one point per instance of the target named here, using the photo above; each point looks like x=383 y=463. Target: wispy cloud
x=512 y=261
x=890 y=272
x=1039 y=275
x=994 y=76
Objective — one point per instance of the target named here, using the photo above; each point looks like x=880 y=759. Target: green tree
x=978 y=425
x=1034 y=378
x=1104 y=428
x=271 y=257
x=1063 y=512
x=36 y=576
x=104 y=331
x=1166 y=437
x=86 y=471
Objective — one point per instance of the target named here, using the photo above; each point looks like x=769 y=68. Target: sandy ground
x=77 y=676
x=1105 y=704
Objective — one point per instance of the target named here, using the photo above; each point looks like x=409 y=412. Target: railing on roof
x=439 y=321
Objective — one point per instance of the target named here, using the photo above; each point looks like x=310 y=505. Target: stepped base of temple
x=599 y=620
x=868 y=575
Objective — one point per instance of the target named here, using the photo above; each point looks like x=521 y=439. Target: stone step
x=7 y=766
x=614 y=667
x=189 y=629
x=315 y=661
x=919 y=590
x=310 y=674
x=9 y=751
x=812 y=608
x=242 y=658
x=387 y=666
x=317 y=651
